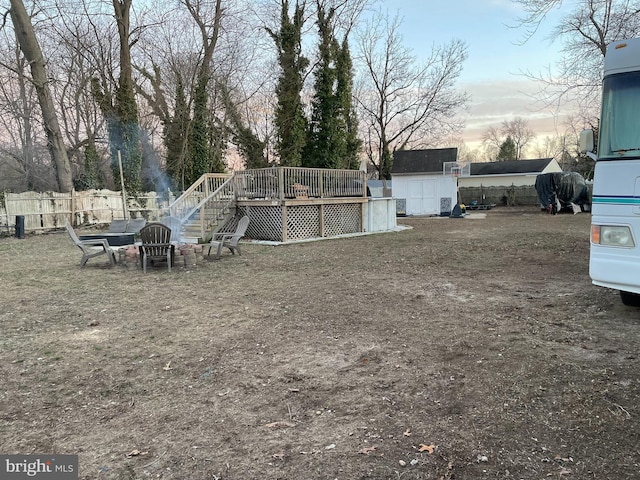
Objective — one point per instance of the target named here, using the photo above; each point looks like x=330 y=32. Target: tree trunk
x=127 y=139
x=29 y=45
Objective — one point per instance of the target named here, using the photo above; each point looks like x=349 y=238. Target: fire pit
x=114 y=239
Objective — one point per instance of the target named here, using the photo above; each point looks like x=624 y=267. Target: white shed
x=418 y=179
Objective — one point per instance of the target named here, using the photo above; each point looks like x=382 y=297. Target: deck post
x=285 y=233
x=321 y=219
x=280 y=183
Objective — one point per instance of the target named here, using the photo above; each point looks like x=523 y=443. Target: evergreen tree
x=121 y=115
x=249 y=145
x=333 y=141
x=325 y=140
x=508 y=150
x=92 y=177
x=290 y=122
x=199 y=146
x=344 y=92
x=129 y=134
x=175 y=136
x=92 y=173
x=218 y=139
x=207 y=139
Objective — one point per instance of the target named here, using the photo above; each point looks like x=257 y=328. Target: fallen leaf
x=167 y=367
x=280 y=425
x=426 y=448
x=135 y=453
x=407 y=433
x=366 y=450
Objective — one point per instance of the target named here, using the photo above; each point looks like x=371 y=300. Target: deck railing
x=298 y=182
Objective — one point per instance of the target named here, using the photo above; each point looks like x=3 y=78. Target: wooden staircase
x=205 y=207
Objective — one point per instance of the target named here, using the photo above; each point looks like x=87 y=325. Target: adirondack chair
x=229 y=240
x=174 y=224
x=156 y=244
x=91 y=248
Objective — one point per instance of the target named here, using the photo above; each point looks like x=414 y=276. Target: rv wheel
x=630 y=299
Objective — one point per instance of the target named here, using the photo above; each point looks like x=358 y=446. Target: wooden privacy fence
x=44 y=211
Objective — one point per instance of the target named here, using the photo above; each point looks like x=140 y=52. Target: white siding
x=423 y=193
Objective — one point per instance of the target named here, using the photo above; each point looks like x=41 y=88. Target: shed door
x=422 y=198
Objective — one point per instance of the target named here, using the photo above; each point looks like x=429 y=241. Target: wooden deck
x=286 y=203
x=283 y=203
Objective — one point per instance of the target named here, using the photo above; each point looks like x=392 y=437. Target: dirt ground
x=459 y=349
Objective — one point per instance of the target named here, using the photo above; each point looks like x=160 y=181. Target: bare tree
x=404 y=102
x=492 y=140
x=192 y=69
x=548 y=147
x=465 y=152
x=17 y=102
x=29 y=45
x=519 y=131
x=74 y=60
x=585 y=32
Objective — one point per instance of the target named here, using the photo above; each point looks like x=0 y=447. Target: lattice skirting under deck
x=302 y=221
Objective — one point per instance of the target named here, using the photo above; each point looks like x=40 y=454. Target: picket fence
x=44 y=211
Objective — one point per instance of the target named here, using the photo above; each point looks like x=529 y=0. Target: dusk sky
x=492 y=74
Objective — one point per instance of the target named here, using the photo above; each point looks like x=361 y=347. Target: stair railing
x=202 y=188
x=215 y=207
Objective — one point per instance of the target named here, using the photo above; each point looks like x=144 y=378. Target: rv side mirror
x=586 y=141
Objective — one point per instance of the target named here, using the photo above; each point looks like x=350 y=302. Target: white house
x=419 y=183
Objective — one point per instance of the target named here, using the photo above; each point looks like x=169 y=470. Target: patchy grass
x=481 y=341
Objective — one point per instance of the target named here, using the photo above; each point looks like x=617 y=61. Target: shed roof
x=510 y=167
x=422 y=161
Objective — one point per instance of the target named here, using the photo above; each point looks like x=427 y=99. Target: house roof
x=510 y=167
x=422 y=161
